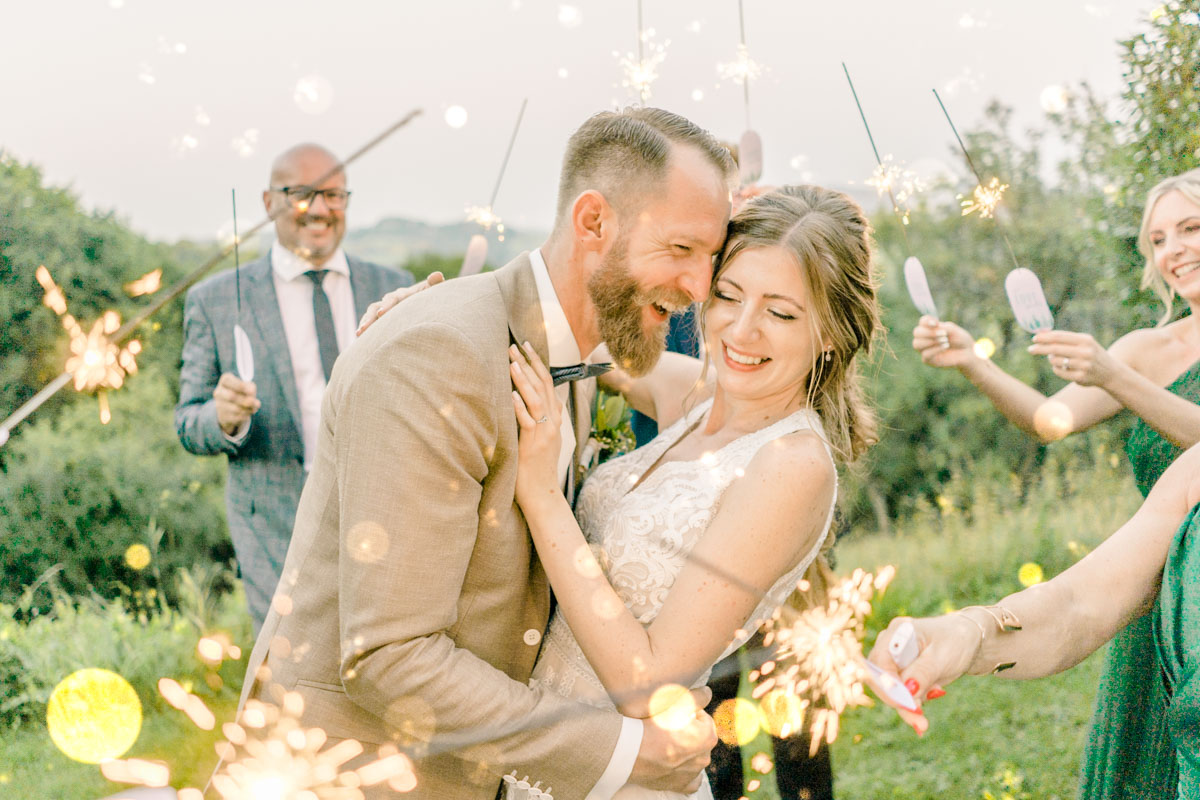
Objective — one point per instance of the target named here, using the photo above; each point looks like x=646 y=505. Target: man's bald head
x=287 y=162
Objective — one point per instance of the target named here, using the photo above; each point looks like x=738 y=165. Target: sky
x=155 y=109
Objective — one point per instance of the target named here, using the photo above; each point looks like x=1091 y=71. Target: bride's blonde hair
x=829 y=237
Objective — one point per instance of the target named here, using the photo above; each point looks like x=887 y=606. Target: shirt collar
x=289 y=266
x=562 y=349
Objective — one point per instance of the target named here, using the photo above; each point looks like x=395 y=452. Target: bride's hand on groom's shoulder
x=946 y=647
x=539 y=416
x=393 y=299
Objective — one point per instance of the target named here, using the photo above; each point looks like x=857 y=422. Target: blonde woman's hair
x=829 y=237
x=1187 y=184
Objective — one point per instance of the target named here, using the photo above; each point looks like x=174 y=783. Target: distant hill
x=396 y=241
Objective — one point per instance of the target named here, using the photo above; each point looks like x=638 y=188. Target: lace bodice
x=643 y=533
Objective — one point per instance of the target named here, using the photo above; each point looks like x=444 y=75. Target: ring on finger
x=1066 y=364
x=545 y=418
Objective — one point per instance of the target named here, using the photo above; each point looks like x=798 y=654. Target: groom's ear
x=593 y=221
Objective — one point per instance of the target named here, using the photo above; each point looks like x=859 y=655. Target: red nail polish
x=912 y=686
x=935 y=693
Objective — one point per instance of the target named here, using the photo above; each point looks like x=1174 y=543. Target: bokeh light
x=1053 y=420
x=93 y=714
x=569 y=16
x=313 y=94
x=137 y=556
x=1054 y=99
x=985 y=348
x=1030 y=573
x=456 y=116
x=737 y=721
x=672 y=707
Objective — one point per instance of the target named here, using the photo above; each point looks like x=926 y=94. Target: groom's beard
x=620 y=305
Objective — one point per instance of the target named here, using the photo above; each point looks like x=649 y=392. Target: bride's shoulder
x=799 y=458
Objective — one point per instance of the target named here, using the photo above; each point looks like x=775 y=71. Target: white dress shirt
x=563 y=351
x=294 y=292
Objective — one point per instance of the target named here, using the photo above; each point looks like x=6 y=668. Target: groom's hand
x=674 y=760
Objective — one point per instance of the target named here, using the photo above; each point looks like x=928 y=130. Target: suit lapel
x=519 y=290
x=263 y=306
x=363 y=287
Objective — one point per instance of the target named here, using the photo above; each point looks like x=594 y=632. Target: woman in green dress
x=1052 y=626
x=1155 y=373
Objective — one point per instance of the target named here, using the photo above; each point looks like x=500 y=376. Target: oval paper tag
x=475 y=256
x=1028 y=301
x=750 y=158
x=243 y=355
x=918 y=286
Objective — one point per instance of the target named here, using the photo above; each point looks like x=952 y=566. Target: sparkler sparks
x=743 y=68
x=485 y=217
x=900 y=182
x=149 y=283
x=984 y=199
x=270 y=755
x=640 y=71
x=818 y=667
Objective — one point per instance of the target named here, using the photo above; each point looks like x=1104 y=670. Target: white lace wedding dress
x=644 y=536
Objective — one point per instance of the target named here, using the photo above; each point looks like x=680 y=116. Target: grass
x=985 y=727
x=989 y=738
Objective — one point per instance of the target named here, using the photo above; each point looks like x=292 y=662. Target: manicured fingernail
x=912 y=686
x=935 y=693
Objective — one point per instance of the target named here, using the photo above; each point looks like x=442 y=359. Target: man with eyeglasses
x=299 y=307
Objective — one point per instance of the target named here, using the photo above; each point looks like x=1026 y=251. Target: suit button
x=532 y=636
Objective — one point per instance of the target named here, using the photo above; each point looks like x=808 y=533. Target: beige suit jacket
x=414 y=599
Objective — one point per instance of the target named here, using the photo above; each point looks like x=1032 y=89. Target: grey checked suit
x=266 y=469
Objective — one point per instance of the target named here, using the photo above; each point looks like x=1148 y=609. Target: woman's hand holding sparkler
x=943 y=344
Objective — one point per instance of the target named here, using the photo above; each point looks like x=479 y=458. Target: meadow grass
x=989 y=737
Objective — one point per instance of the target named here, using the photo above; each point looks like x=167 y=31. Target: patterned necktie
x=323 y=318
x=577 y=372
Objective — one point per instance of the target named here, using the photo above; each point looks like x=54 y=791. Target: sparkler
x=640 y=72
x=485 y=216
x=243 y=353
x=743 y=68
x=818 y=667
x=986 y=196
x=100 y=349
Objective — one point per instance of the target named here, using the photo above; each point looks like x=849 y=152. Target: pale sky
x=156 y=108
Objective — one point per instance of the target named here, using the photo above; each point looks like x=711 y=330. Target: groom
x=412 y=603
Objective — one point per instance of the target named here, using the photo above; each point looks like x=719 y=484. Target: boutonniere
x=612 y=431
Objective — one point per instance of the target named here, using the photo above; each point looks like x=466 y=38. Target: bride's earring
x=829 y=355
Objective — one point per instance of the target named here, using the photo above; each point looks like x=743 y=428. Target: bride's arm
x=768 y=520
x=662 y=393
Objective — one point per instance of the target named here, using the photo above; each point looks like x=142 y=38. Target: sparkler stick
x=994 y=185
x=122 y=333
x=513 y=140
x=476 y=254
x=243 y=353
x=745 y=83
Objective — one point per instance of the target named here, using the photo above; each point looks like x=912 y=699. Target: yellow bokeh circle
x=137 y=556
x=737 y=721
x=1030 y=573
x=93 y=715
x=985 y=348
x=673 y=707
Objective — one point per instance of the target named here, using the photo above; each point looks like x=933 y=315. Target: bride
x=683 y=547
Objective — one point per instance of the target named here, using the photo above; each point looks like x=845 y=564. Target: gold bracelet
x=1005 y=621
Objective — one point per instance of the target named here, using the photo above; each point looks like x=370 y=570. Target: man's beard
x=619 y=303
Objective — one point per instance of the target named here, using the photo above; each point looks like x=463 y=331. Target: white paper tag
x=918 y=286
x=903 y=645
x=475 y=257
x=243 y=355
x=1028 y=301
x=887 y=684
x=750 y=158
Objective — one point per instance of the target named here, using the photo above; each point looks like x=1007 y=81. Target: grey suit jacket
x=266 y=469
x=412 y=603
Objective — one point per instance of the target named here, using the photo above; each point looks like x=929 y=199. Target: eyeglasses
x=301 y=197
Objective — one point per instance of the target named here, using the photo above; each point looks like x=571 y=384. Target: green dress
x=1177 y=631
x=1129 y=753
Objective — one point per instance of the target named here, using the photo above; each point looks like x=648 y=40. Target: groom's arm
x=414 y=426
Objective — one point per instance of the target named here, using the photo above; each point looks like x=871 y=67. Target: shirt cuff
x=620 y=766
x=239 y=435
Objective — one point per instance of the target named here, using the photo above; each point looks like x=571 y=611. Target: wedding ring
x=1066 y=364
x=544 y=418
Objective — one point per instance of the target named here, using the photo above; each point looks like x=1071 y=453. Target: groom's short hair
x=624 y=155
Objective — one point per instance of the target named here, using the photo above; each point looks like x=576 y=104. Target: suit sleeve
x=196 y=413
x=415 y=423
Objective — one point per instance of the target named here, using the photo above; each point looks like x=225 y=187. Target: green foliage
x=92 y=256
x=425 y=263
x=79 y=493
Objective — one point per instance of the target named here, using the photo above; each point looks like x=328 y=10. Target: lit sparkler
x=639 y=71
x=818 y=666
x=984 y=199
x=897 y=181
x=485 y=217
x=742 y=69
x=270 y=755
x=149 y=283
